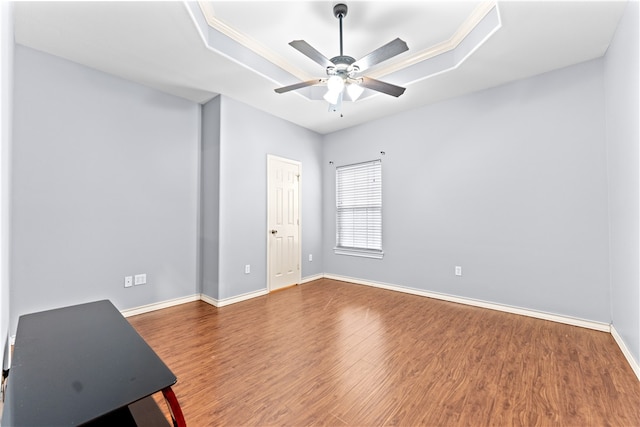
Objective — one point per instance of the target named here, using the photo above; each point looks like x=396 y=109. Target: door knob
x=274 y=232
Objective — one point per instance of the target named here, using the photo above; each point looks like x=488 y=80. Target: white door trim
x=299 y=254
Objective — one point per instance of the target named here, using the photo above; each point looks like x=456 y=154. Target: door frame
x=268 y=233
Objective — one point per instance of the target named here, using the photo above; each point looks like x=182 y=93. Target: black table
x=76 y=364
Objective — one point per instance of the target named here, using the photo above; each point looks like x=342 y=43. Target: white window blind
x=359 y=209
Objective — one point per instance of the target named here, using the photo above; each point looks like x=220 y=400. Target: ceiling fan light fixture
x=354 y=90
x=335 y=84
x=332 y=96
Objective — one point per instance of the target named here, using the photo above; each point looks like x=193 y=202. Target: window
x=359 y=209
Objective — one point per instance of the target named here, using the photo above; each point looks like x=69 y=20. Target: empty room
x=320 y=213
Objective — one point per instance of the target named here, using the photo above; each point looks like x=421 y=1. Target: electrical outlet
x=247 y=269
x=310 y=257
x=128 y=281
x=140 y=279
x=458 y=270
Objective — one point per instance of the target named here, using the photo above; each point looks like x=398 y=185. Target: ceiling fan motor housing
x=343 y=59
x=343 y=67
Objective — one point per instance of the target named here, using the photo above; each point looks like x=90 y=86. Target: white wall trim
x=589 y=324
x=198 y=297
x=212 y=20
x=598 y=326
x=625 y=350
x=209 y=300
x=159 y=305
x=206 y=298
x=228 y=301
x=311 y=278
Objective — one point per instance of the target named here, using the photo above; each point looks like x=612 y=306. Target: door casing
x=298 y=252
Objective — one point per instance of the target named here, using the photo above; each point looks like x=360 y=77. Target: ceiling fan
x=345 y=72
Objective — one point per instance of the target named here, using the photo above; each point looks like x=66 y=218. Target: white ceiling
x=168 y=46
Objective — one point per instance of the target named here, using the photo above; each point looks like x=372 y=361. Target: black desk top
x=74 y=364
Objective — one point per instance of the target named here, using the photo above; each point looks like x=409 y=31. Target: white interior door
x=283 y=234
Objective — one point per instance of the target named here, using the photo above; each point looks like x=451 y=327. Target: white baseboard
x=196 y=297
x=311 y=278
x=206 y=298
x=598 y=326
x=625 y=350
x=159 y=305
x=233 y=300
x=209 y=300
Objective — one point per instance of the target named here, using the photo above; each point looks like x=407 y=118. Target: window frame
x=372 y=204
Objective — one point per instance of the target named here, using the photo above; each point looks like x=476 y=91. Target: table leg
x=174 y=407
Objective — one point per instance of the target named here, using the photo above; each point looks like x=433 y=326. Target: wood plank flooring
x=334 y=353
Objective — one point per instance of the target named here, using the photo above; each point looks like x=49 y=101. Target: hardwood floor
x=334 y=353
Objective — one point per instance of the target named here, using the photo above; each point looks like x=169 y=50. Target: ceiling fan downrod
x=340 y=11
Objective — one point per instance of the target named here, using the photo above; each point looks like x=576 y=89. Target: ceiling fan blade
x=299 y=85
x=383 y=87
x=309 y=51
x=389 y=50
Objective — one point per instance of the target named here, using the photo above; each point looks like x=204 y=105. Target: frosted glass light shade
x=331 y=96
x=335 y=84
x=354 y=91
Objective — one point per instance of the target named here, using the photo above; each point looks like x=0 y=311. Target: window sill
x=359 y=253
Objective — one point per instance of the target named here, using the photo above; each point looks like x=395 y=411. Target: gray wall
x=6 y=89
x=209 y=197
x=622 y=112
x=247 y=135
x=509 y=183
x=105 y=185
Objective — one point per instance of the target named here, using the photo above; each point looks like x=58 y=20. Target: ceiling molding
x=478 y=14
x=209 y=15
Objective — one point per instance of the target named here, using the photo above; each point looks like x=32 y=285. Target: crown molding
x=461 y=33
x=209 y=15
x=478 y=14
